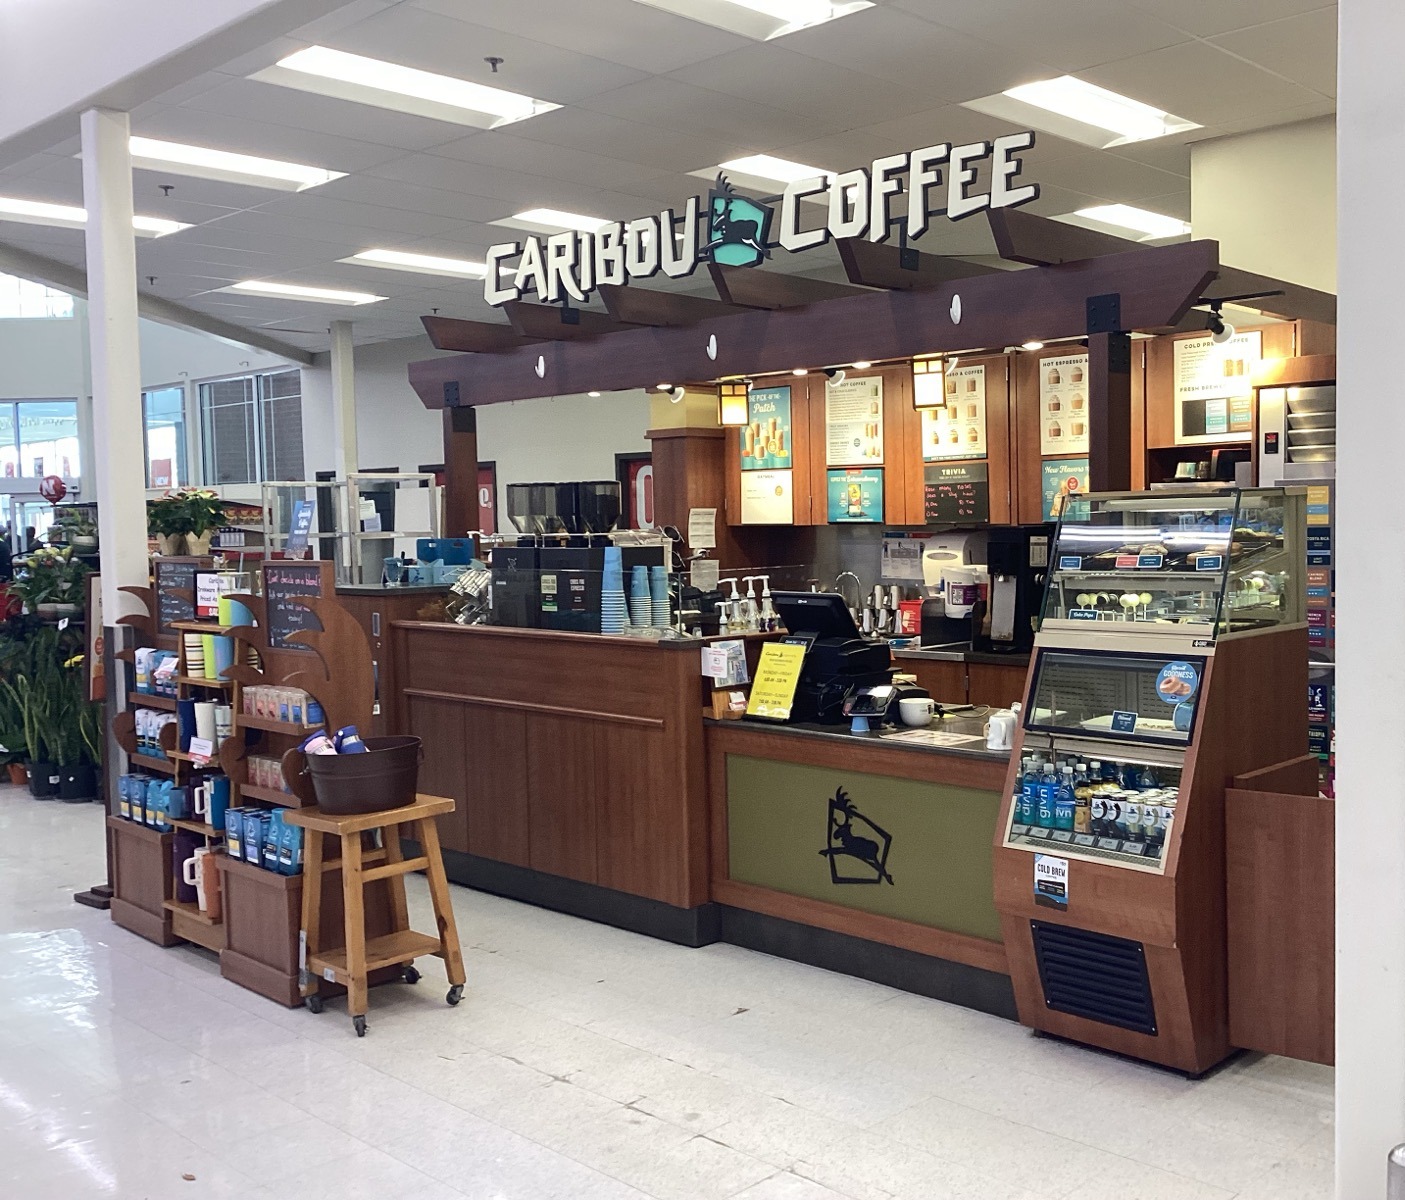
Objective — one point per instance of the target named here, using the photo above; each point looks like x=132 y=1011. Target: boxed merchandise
x=234 y=832
x=272 y=840
x=290 y=850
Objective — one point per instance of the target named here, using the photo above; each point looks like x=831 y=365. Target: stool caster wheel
x=314 y=1003
x=410 y=975
x=455 y=994
x=360 y=1024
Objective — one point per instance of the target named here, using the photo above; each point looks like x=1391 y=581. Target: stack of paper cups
x=658 y=588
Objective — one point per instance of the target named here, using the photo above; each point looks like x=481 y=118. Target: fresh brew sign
x=738 y=231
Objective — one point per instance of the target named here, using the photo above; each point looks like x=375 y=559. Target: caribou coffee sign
x=898 y=191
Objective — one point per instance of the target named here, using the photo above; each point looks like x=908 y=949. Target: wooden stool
x=352 y=966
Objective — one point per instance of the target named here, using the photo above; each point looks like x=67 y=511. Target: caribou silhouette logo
x=738 y=228
x=865 y=857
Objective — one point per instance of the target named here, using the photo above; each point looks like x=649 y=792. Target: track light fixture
x=676 y=395
x=1220 y=329
x=835 y=375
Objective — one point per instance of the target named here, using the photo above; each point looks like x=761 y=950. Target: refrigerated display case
x=1170 y=660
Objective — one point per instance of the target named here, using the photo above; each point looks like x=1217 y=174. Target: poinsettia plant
x=51 y=575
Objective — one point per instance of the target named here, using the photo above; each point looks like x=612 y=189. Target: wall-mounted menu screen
x=283 y=584
x=175 y=592
x=956 y=494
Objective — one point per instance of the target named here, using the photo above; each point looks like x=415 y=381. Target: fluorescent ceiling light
x=364 y=80
x=226 y=166
x=1122 y=219
x=761 y=19
x=1082 y=112
x=424 y=264
x=293 y=291
x=769 y=167
x=552 y=220
x=66 y=216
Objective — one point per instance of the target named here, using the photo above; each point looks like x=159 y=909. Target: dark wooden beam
x=879 y=265
x=1043 y=242
x=1110 y=412
x=479 y=337
x=1295 y=302
x=543 y=322
x=748 y=287
x=640 y=306
x=1156 y=285
x=460 y=471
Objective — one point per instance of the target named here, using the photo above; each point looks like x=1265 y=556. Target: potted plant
x=75 y=525
x=204 y=513
x=166 y=520
x=51 y=583
x=33 y=698
x=74 y=724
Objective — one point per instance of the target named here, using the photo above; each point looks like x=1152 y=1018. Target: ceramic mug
x=1000 y=730
x=916 y=711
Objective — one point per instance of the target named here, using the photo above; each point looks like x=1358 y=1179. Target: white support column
x=344 y=397
x=118 y=468
x=1370 y=580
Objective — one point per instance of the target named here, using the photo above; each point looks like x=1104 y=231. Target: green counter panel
x=919 y=852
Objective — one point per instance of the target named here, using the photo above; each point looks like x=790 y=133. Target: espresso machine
x=1017 y=559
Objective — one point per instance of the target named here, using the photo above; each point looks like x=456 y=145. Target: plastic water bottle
x=1065 y=801
x=1045 y=796
x=1027 y=806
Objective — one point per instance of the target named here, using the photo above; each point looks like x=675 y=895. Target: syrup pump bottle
x=750 y=614
x=769 y=620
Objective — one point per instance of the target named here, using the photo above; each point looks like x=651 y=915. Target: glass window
x=252 y=428
x=47 y=437
x=21 y=298
x=164 y=410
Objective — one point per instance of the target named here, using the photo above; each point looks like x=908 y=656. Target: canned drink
x=1151 y=823
x=1130 y=826
x=1082 y=815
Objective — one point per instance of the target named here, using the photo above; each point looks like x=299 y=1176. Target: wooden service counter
x=577 y=764
x=375 y=607
x=966 y=676
x=863 y=854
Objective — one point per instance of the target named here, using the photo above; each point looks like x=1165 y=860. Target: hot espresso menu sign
x=900 y=190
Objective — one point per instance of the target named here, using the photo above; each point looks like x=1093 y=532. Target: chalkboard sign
x=956 y=494
x=282 y=582
x=175 y=591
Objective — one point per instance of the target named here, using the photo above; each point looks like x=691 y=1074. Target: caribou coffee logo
x=857 y=849
x=937 y=181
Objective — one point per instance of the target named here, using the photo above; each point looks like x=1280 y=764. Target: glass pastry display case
x=1219 y=561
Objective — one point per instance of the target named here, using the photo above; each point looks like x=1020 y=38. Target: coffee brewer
x=1017 y=557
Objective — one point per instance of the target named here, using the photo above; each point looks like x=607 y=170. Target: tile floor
x=584 y=1063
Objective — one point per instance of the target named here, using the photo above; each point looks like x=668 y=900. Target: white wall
x=1269 y=198
x=1370 y=802
x=42 y=359
x=170 y=355
x=550 y=439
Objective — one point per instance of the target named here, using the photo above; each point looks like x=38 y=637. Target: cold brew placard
x=957 y=494
x=175 y=591
x=283 y=584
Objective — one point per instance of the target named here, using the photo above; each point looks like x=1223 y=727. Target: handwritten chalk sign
x=956 y=494
x=175 y=592
x=283 y=584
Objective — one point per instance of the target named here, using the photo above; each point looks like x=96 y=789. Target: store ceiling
x=647 y=98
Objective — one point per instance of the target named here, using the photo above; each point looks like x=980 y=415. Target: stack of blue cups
x=640 y=601
x=658 y=589
x=612 y=603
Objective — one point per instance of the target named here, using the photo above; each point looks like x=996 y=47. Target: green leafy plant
x=73 y=521
x=33 y=702
x=204 y=510
x=51 y=575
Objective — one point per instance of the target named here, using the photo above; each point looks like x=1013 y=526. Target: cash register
x=839 y=660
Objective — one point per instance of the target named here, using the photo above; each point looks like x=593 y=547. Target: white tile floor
x=584 y=1063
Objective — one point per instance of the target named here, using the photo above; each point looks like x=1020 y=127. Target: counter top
x=959 y=653
x=890 y=738
x=399 y=589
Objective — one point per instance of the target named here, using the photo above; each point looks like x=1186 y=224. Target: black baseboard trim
x=684 y=926
x=906 y=970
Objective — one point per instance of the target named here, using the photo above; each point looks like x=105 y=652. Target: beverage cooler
x=1170 y=661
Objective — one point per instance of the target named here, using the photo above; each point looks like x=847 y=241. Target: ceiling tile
x=1205 y=18
x=1069 y=35
x=389 y=193
x=1303 y=48
x=393 y=220
x=620 y=31
x=416 y=37
x=1117 y=179
x=663 y=149
x=1197 y=80
x=1173 y=204
x=513 y=190
x=267 y=140
x=769 y=74
x=501 y=149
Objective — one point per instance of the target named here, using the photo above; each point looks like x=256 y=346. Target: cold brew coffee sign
x=737 y=231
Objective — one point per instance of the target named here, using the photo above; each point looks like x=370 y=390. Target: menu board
x=175 y=592
x=1213 y=387
x=1063 y=405
x=855 y=495
x=766 y=435
x=283 y=582
x=956 y=494
x=957 y=428
x=853 y=422
x=767 y=498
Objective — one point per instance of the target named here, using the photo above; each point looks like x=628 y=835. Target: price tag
x=1082 y=614
x=1124 y=722
x=1070 y=562
x=202 y=750
x=1150 y=562
x=1138 y=848
x=1109 y=844
x=1126 y=562
x=1210 y=562
x=63 y=624
x=1063 y=835
x=1039 y=833
x=1085 y=839
x=1018 y=830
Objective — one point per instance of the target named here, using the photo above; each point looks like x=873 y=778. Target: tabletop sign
x=1126 y=562
x=1210 y=562
x=1070 y=562
x=201 y=750
x=283 y=582
x=1083 y=614
x=956 y=494
x=1150 y=562
x=1124 y=722
x=299 y=528
x=175 y=592
x=777 y=674
x=1051 y=882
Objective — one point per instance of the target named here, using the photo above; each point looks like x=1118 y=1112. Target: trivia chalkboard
x=175 y=591
x=282 y=583
x=956 y=494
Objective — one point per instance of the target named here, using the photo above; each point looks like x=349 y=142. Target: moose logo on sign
x=738 y=229
x=857 y=848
